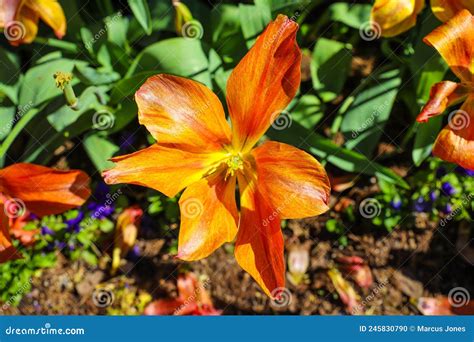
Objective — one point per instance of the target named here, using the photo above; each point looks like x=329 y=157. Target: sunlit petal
x=453 y=40
x=295 y=184
x=446 y=9
x=393 y=17
x=182 y=113
x=209 y=216
x=442 y=95
x=455 y=143
x=51 y=13
x=168 y=170
x=259 y=245
x=264 y=82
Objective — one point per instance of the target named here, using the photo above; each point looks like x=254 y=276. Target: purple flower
x=441 y=172
x=448 y=209
x=448 y=189
x=465 y=172
x=60 y=244
x=134 y=253
x=433 y=195
x=73 y=224
x=101 y=211
x=47 y=231
x=396 y=204
x=420 y=205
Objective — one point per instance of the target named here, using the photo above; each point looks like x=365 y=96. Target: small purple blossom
x=420 y=205
x=134 y=253
x=396 y=204
x=433 y=195
x=47 y=231
x=448 y=189
x=60 y=244
x=73 y=225
x=448 y=209
x=465 y=172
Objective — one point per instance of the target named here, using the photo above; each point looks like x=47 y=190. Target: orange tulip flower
x=196 y=149
x=453 y=40
x=393 y=17
x=39 y=190
x=19 y=19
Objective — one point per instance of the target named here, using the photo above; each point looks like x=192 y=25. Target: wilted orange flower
x=196 y=149
x=126 y=232
x=39 y=190
x=393 y=17
x=193 y=299
x=454 y=41
x=19 y=19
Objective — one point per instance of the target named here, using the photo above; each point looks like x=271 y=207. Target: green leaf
x=307 y=110
x=38 y=85
x=92 y=76
x=7 y=115
x=330 y=66
x=254 y=19
x=189 y=59
x=368 y=114
x=142 y=13
x=341 y=157
x=425 y=137
x=100 y=149
x=352 y=15
x=9 y=74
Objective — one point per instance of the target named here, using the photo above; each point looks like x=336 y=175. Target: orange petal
x=44 y=191
x=453 y=40
x=259 y=245
x=168 y=170
x=442 y=95
x=209 y=216
x=395 y=17
x=294 y=183
x=7 y=251
x=24 y=29
x=182 y=113
x=51 y=13
x=264 y=82
x=455 y=143
x=446 y=9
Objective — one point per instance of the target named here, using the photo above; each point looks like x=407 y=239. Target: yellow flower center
x=234 y=164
